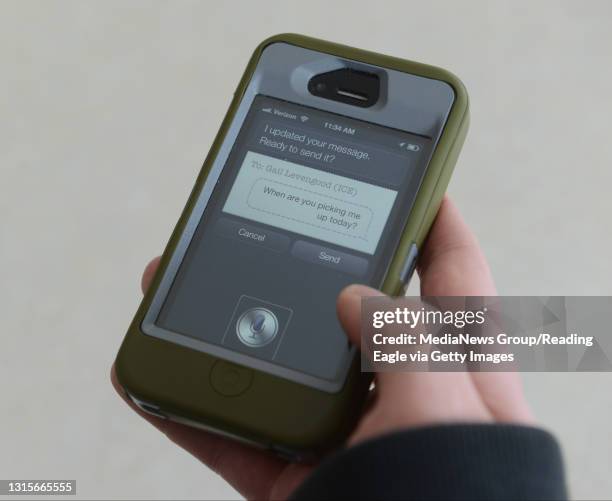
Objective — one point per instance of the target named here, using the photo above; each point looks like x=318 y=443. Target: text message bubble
x=311 y=202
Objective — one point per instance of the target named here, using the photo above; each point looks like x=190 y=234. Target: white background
x=106 y=113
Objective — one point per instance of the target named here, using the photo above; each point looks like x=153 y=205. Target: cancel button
x=252 y=234
x=341 y=261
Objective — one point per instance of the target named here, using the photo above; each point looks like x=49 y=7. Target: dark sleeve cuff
x=473 y=462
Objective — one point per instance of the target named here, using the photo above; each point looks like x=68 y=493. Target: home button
x=230 y=380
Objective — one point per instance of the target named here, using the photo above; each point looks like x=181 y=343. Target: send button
x=341 y=261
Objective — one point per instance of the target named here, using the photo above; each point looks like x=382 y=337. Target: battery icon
x=410 y=146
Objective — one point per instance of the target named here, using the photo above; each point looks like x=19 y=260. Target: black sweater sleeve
x=491 y=462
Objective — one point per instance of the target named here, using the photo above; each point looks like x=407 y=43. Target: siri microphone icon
x=257 y=327
x=258 y=324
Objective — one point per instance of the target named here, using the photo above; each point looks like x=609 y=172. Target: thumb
x=412 y=397
x=349 y=310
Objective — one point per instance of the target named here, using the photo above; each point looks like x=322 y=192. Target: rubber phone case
x=198 y=389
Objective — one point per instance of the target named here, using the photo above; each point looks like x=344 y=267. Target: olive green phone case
x=292 y=419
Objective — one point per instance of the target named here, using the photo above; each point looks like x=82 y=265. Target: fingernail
x=361 y=291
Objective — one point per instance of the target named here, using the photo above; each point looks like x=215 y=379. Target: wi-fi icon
x=303 y=118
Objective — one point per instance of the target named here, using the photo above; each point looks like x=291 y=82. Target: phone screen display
x=307 y=203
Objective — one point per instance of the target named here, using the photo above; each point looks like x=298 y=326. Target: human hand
x=451 y=263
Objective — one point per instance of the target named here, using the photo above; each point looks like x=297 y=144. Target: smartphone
x=328 y=169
